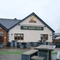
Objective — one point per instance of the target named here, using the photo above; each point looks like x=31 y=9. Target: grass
x=11 y=52
x=54 y=53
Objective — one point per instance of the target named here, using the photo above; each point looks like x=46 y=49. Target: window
x=1 y=33
x=44 y=36
x=18 y=36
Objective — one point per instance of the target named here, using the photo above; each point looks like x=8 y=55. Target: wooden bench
x=58 y=56
x=37 y=58
x=27 y=55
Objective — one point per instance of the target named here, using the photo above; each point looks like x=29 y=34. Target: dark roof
x=3 y=27
x=39 y=20
x=8 y=23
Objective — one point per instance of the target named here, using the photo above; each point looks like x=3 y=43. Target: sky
x=47 y=10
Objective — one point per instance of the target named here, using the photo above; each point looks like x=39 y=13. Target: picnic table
x=45 y=51
x=27 y=55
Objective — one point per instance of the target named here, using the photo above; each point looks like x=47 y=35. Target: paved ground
x=11 y=56
x=18 y=56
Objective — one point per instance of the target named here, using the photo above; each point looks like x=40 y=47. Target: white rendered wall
x=30 y=35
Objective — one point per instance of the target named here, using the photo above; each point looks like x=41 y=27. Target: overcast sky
x=47 y=10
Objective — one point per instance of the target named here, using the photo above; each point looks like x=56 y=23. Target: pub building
x=30 y=29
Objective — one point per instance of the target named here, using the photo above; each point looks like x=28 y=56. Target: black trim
x=3 y=27
x=27 y=17
x=13 y=25
x=39 y=20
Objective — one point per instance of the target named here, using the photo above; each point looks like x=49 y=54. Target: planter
x=28 y=45
x=1 y=45
x=11 y=44
x=34 y=44
x=14 y=43
x=21 y=45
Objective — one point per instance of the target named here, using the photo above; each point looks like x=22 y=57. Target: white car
x=57 y=38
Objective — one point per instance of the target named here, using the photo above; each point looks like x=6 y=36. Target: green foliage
x=54 y=53
x=11 y=52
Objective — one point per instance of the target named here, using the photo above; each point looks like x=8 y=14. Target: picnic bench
x=37 y=58
x=58 y=56
x=45 y=51
x=42 y=52
x=27 y=55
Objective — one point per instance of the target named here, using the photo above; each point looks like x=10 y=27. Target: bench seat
x=27 y=55
x=30 y=52
x=37 y=58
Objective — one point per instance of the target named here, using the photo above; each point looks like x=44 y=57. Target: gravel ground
x=54 y=57
x=10 y=57
x=18 y=56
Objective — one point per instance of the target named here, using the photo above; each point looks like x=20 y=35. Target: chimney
x=15 y=18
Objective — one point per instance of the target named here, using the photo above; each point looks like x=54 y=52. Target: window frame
x=44 y=36
x=17 y=37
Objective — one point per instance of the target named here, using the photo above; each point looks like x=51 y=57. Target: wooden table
x=45 y=51
x=27 y=55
